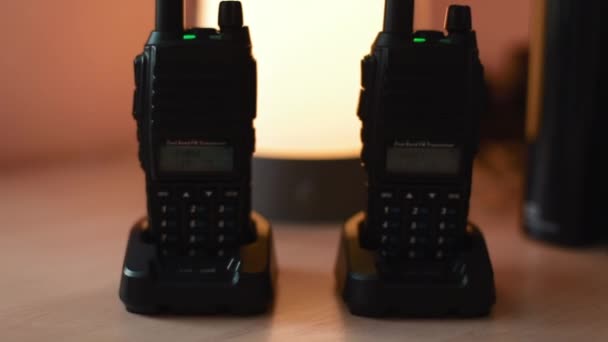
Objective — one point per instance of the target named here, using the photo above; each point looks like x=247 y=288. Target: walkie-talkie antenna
x=399 y=16
x=169 y=15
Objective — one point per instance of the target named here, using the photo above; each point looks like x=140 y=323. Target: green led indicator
x=189 y=36
x=419 y=40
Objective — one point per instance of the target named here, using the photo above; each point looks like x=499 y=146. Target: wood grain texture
x=64 y=231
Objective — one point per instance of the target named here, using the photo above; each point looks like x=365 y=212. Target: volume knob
x=231 y=15
x=458 y=19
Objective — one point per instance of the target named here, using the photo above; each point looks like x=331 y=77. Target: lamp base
x=469 y=292
x=244 y=286
x=308 y=190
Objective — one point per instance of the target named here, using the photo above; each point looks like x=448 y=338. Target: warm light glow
x=308 y=55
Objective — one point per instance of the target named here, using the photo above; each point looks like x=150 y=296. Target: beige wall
x=66 y=68
x=66 y=72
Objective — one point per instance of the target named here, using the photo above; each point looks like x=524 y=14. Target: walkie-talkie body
x=422 y=93
x=195 y=102
x=201 y=249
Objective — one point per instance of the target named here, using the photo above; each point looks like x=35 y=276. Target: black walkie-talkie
x=420 y=103
x=195 y=102
x=201 y=248
x=413 y=251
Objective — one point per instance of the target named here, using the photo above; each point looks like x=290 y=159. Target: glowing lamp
x=307 y=161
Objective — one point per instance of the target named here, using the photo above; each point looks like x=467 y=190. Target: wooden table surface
x=64 y=231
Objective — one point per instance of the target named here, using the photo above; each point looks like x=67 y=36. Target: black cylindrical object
x=169 y=15
x=566 y=186
x=399 y=16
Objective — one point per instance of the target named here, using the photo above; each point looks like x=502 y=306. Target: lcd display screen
x=423 y=161
x=190 y=159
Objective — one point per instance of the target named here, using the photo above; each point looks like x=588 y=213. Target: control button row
x=416 y=225
x=205 y=194
x=415 y=254
x=413 y=195
x=168 y=252
x=415 y=240
x=414 y=210
x=422 y=254
x=201 y=209
x=172 y=241
x=194 y=239
x=219 y=224
x=418 y=210
x=197 y=252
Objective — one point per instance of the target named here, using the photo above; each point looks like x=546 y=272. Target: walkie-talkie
x=201 y=249
x=420 y=103
x=412 y=250
x=195 y=102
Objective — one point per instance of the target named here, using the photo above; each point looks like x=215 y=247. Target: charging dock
x=464 y=289
x=243 y=285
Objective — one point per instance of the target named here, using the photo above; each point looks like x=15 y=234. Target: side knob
x=230 y=15
x=458 y=19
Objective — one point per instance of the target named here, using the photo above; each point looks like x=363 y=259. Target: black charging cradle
x=241 y=286
x=468 y=290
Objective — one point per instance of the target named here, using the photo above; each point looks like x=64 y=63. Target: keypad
x=421 y=223
x=194 y=221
